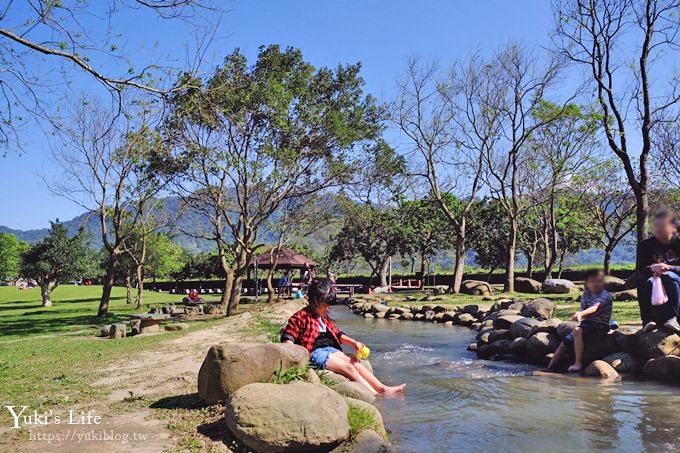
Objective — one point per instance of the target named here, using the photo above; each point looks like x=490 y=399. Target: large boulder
x=371 y=409
x=626 y=296
x=465 y=319
x=297 y=417
x=502 y=334
x=541 y=344
x=367 y=441
x=658 y=343
x=518 y=346
x=548 y=325
x=527 y=285
x=505 y=321
x=476 y=288
x=228 y=367
x=523 y=327
x=667 y=367
x=600 y=368
x=354 y=390
x=540 y=308
x=599 y=348
x=496 y=348
x=623 y=362
x=558 y=286
x=614 y=284
x=565 y=328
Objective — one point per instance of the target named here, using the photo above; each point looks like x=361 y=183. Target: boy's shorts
x=320 y=356
x=590 y=331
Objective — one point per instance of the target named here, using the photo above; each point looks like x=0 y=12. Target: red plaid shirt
x=303 y=329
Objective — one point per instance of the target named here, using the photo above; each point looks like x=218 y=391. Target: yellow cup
x=363 y=353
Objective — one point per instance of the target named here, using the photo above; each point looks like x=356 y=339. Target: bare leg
x=578 y=350
x=557 y=356
x=352 y=369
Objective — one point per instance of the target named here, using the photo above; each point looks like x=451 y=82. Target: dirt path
x=167 y=372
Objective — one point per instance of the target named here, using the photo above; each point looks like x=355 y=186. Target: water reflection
x=457 y=403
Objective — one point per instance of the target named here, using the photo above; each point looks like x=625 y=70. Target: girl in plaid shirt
x=313 y=329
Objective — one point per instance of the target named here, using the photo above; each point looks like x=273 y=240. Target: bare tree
x=619 y=42
x=49 y=44
x=611 y=205
x=666 y=154
x=103 y=170
x=449 y=129
x=517 y=88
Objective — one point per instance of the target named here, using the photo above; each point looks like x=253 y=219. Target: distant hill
x=192 y=222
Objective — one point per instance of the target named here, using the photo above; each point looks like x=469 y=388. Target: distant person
x=594 y=318
x=193 y=297
x=284 y=285
x=330 y=276
x=659 y=255
x=307 y=274
x=314 y=329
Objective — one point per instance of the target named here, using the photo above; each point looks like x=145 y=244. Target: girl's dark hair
x=321 y=291
x=669 y=214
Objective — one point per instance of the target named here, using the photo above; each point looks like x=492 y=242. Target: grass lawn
x=48 y=355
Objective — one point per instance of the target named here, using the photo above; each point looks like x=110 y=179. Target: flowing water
x=455 y=402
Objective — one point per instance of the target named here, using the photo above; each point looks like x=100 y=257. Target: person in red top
x=313 y=329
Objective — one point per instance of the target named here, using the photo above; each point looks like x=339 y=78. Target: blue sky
x=381 y=34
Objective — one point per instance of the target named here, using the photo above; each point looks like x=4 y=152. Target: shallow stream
x=455 y=402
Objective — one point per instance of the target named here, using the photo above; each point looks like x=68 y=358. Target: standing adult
x=659 y=255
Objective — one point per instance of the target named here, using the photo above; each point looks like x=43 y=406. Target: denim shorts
x=590 y=331
x=320 y=356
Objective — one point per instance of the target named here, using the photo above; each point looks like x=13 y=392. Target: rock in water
x=600 y=368
x=658 y=343
x=505 y=321
x=476 y=288
x=527 y=285
x=502 y=334
x=496 y=348
x=287 y=418
x=558 y=286
x=523 y=327
x=666 y=368
x=354 y=390
x=541 y=344
x=623 y=362
x=228 y=367
x=540 y=309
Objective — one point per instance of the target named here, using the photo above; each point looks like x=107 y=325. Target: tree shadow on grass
x=30 y=325
x=187 y=401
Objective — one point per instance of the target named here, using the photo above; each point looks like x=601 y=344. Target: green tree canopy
x=11 y=249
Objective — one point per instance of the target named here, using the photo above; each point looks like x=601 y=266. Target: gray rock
x=502 y=334
x=375 y=308
x=600 y=368
x=368 y=441
x=527 y=285
x=505 y=321
x=429 y=315
x=105 y=331
x=599 y=348
x=614 y=284
x=518 y=346
x=623 y=362
x=665 y=368
x=523 y=327
x=465 y=319
x=472 y=347
x=118 y=331
x=354 y=390
x=558 y=286
x=548 y=325
x=471 y=309
x=658 y=343
x=540 y=308
x=625 y=296
x=541 y=344
x=496 y=348
x=565 y=328
x=406 y=316
x=476 y=288
x=286 y=418
x=174 y=327
x=377 y=416
x=230 y=366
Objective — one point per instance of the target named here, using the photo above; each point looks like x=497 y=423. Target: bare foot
x=575 y=368
x=393 y=391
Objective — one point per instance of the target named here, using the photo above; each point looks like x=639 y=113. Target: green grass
x=360 y=419
x=74 y=310
x=290 y=375
x=265 y=327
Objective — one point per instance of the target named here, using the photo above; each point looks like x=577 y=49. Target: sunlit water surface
x=455 y=402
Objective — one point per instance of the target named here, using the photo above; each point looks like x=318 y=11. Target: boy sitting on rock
x=313 y=329
x=594 y=318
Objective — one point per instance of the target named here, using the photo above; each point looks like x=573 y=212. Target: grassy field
x=49 y=354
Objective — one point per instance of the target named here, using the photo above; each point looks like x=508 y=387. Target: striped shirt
x=604 y=312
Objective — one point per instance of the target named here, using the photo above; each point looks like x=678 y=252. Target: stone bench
x=147 y=322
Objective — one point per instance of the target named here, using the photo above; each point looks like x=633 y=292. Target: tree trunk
x=46 y=294
x=270 y=285
x=382 y=273
x=459 y=264
x=228 y=284
x=128 y=290
x=510 y=259
x=607 y=260
x=107 y=286
x=140 y=286
x=641 y=214
x=530 y=263
x=235 y=296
